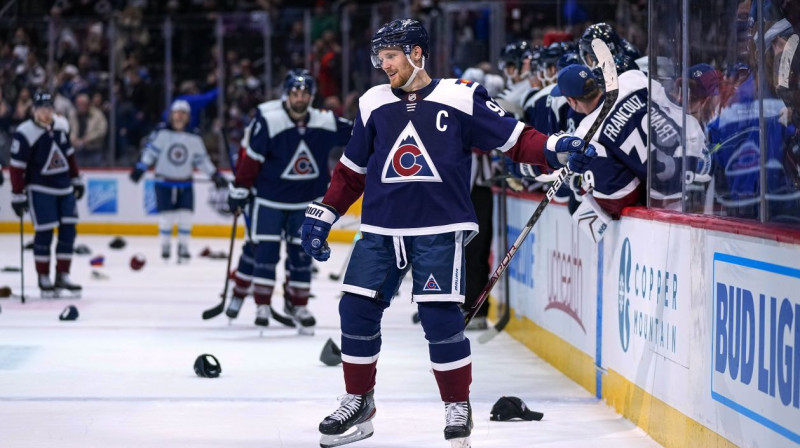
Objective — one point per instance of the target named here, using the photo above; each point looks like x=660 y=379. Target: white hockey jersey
x=176 y=154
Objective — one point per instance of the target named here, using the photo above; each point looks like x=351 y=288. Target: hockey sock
x=443 y=323
x=66 y=241
x=244 y=272
x=361 y=341
x=41 y=250
x=298 y=268
x=165 y=220
x=184 y=219
x=262 y=293
x=298 y=296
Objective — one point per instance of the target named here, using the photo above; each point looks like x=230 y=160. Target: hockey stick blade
x=217 y=310
x=288 y=321
x=213 y=312
x=609 y=68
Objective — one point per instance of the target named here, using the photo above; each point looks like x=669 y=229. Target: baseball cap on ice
x=572 y=81
x=509 y=408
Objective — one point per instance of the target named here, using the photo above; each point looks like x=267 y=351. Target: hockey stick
x=217 y=310
x=21 y=260
x=606 y=62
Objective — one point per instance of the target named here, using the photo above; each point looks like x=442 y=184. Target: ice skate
x=183 y=254
x=458 y=424
x=63 y=282
x=165 y=251
x=302 y=317
x=355 y=410
x=234 y=307
x=46 y=287
x=262 y=315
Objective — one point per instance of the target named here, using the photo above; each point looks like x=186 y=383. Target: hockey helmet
x=604 y=32
x=514 y=54
x=42 y=98
x=402 y=33
x=299 y=79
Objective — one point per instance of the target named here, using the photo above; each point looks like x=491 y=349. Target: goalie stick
x=217 y=310
x=607 y=65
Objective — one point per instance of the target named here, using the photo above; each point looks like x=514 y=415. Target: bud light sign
x=756 y=341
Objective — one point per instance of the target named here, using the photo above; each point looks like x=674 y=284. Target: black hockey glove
x=138 y=172
x=19 y=202
x=237 y=198
x=219 y=180
x=314 y=232
x=78 y=188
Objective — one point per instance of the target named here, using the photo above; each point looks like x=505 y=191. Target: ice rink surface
x=121 y=375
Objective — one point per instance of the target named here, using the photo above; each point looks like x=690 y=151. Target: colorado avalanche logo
x=431 y=284
x=178 y=154
x=302 y=166
x=409 y=161
x=56 y=162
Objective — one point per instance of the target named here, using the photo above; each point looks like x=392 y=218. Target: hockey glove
x=219 y=180
x=138 y=172
x=19 y=202
x=568 y=150
x=315 y=229
x=78 y=188
x=238 y=197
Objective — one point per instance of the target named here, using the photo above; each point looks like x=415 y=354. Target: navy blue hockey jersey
x=42 y=154
x=294 y=157
x=415 y=150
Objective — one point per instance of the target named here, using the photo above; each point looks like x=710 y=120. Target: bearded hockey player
x=45 y=179
x=410 y=156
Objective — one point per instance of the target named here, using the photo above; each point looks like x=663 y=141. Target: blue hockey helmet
x=401 y=33
x=299 y=79
x=514 y=54
x=42 y=98
x=604 y=32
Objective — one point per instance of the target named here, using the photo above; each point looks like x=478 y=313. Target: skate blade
x=362 y=431
x=462 y=442
x=305 y=331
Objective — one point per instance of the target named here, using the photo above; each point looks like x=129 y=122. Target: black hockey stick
x=217 y=310
x=21 y=259
x=606 y=62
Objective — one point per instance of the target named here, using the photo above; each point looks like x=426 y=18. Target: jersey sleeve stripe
x=18 y=164
x=513 y=138
x=350 y=164
x=254 y=155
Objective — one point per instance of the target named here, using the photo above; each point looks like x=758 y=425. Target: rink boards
x=688 y=326
x=113 y=204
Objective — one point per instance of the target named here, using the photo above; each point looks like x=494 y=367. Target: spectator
x=197 y=101
x=88 y=129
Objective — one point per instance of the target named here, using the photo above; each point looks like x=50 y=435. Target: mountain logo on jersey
x=431 y=284
x=408 y=160
x=178 y=154
x=56 y=162
x=302 y=166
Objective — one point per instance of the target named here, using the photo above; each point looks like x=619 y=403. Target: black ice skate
x=234 y=307
x=183 y=253
x=46 y=287
x=63 y=282
x=458 y=424
x=355 y=410
x=262 y=315
x=165 y=250
x=301 y=315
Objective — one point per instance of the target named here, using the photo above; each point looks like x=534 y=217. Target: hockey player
x=410 y=156
x=286 y=162
x=515 y=64
x=45 y=179
x=176 y=152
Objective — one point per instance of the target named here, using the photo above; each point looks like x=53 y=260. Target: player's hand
x=138 y=172
x=315 y=229
x=78 y=188
x=219 y=180
x=579 y=162
x=19 y=202
x=238 y=197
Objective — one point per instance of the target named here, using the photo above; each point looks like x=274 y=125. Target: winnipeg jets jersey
x=176 y=154
x=293 y=156
x=415 y=150
x=42 y=153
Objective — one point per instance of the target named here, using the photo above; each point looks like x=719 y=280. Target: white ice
x=122 y=376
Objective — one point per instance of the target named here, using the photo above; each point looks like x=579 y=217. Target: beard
x=300 y=108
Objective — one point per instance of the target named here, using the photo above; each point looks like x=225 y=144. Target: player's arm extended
x=530 y=148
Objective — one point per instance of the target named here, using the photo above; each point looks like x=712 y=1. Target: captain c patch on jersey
x=408 y=160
